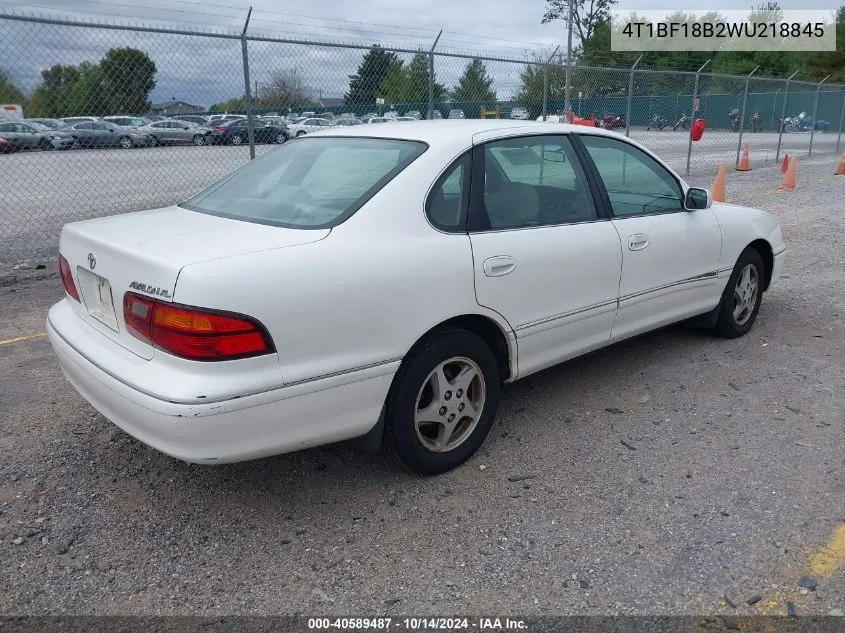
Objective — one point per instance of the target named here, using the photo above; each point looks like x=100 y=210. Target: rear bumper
x=278 y=421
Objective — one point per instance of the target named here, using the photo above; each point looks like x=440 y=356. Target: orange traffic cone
x=789 y=177
x=840 y=171
x=785 y=165
x=717 y=191
x=745 y=161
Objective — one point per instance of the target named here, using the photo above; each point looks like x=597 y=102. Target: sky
x=206 y=70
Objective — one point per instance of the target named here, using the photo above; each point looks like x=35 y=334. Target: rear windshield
x=309 y=183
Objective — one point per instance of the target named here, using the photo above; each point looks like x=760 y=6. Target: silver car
x=171 y=132
x=103 y=134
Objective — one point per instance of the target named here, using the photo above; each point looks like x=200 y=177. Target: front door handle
x=637 y=241
x=499 y=265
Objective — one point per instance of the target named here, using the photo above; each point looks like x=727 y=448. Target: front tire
x=237 y=140
x=741 y=299
x=126 y=142
x=442 y=402
x=199 y=139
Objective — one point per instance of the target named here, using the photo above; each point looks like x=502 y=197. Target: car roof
x=466 y=130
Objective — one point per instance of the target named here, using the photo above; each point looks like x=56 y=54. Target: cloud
x=205 y=70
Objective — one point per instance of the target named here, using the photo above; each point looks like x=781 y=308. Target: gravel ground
x=671 y=474
x=48 y=189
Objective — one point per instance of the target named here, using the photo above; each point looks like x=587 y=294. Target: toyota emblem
x=92 y=261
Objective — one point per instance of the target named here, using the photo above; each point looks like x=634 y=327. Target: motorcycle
x=734 y=115
x=613 y=121
x=684 y=122
x=657 y=123
x=800 y=123
x=755 y=122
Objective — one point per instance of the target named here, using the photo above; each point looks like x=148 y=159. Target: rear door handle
x=499 y=265
x=637 y=241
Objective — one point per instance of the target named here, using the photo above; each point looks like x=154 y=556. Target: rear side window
x=312 y=183
x=447 y=203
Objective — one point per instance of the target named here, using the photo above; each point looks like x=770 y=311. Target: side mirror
x=698 y=199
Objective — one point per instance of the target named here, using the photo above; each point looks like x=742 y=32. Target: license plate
x=98 y=299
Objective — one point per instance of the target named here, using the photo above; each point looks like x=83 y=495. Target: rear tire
x=741 y=299
x=300 y=133
x=45 y=145
x=199 y=139
x=152 y=141
x=443 y=401
x=236 y=139
x=126 y=142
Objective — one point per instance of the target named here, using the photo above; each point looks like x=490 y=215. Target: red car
x=8 y=145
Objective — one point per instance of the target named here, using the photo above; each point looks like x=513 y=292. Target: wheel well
x=488 y=330
x=765 y=250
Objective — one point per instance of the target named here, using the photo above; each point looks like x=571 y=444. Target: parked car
x=347 y=121
x=77 y=119
x=97 y=134
x=379 y=119
x=173 y=132
x=416 y=114
x=53 y=124
x=308 y=125
x=9 y=145
x=127 y=121
x=237 y=132
x=520 y=113
x=456 y=114
x=391 y=114
x=370 y=115
x=404 y=118
x=28 y=135
x=321 y=316
x=192 y=118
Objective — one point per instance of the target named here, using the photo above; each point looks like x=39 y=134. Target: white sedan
x=385 y=283
x=307 y=126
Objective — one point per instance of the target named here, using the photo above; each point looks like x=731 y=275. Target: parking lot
x=51 y=188
x=671 y=474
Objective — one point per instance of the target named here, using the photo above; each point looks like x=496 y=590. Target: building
x=174 y=107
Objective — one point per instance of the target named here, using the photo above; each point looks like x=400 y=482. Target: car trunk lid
x=144 y=252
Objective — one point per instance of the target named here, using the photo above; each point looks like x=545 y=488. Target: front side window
x=531 y=181
x=636 y=183
x=313 y=183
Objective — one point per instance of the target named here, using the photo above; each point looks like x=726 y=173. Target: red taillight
x=221 y=129
x=67 y=278
x=194 y=333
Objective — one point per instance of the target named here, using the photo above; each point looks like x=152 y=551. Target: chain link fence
x=92 y=144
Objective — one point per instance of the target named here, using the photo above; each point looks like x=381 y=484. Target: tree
x=50 y=99
x=9 y=92
x=418 y=81
x=409 y=84
x=819 y=65
x=394 y=86
x=474 y=85
x=127 y=76
x=586 y=14
x=119 y=84
x=530 y=94
x=365 y=84
x=286 y=89
x=235 y=104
